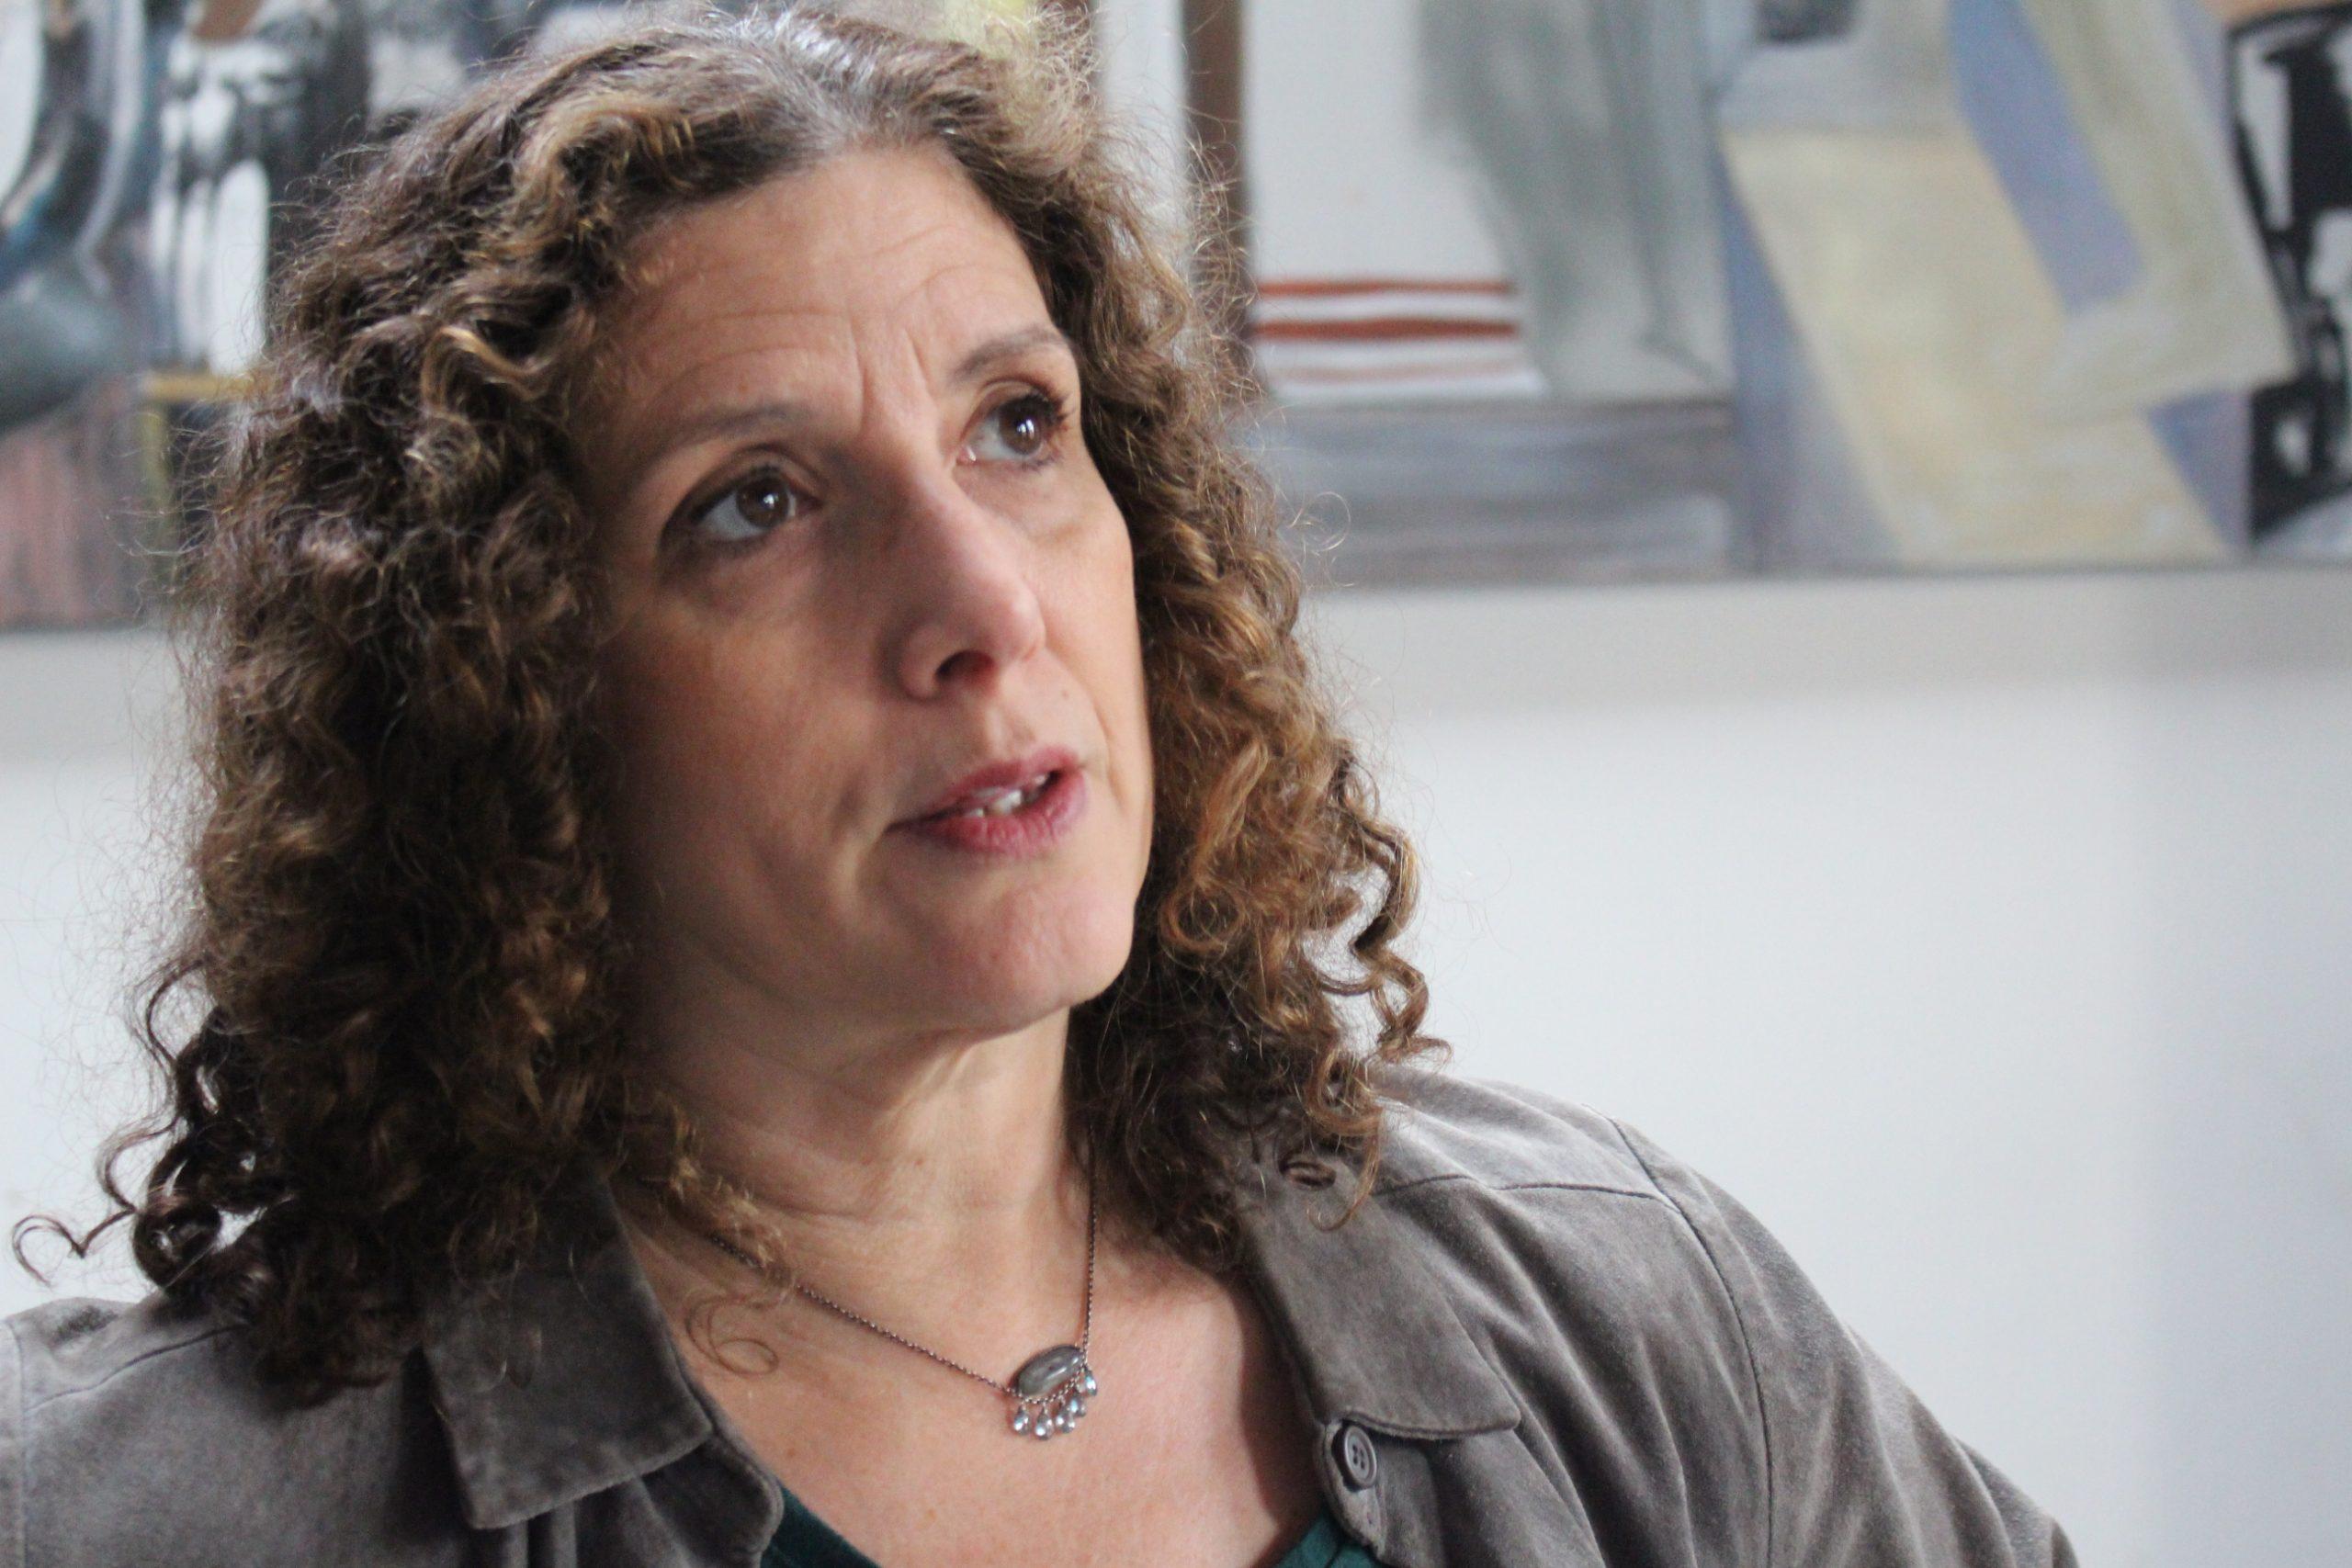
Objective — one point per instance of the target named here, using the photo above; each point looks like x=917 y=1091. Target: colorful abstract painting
x=1542 y=289
x=1633 y=287
x=155 y=157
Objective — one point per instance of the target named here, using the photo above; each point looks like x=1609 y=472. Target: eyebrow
x=737 y=419
x=1010 y=345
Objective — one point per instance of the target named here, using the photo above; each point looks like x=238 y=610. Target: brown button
x=1359 y=1460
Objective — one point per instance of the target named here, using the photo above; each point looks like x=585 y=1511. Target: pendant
x=1050 y=1391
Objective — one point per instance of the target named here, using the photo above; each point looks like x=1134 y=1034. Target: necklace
x=1048 y=1394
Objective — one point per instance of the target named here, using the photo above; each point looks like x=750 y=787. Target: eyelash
x=1048 y=407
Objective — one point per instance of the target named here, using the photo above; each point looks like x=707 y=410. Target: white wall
x=1987 y=939
x=85 y=719
x=1983 y=936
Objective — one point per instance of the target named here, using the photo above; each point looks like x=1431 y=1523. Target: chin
x=1019 y=971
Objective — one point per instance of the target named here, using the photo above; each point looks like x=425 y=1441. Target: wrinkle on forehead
x=895 y=283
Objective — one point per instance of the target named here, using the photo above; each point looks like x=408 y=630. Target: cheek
x=1106 y=610
x=656 y=689
x=694 y=720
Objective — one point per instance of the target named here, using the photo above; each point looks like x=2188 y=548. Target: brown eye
x=1023 y=429
x=757 y=503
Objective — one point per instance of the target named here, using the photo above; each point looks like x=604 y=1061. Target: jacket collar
x=565 y=1383
x=1369 y=1329
x=568 y=1383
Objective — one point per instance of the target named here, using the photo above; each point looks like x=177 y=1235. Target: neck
x=924 y=1181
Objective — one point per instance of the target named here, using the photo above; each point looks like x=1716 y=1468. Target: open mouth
x=999 y=802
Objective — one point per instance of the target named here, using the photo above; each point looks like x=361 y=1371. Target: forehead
x=896 y=239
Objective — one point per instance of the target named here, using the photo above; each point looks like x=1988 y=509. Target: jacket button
x=1359 y=1460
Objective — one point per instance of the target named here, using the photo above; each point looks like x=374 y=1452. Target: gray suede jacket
x=1545 y=1341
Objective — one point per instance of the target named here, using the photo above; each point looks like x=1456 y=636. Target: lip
x=1033 y=830
x=996 y=776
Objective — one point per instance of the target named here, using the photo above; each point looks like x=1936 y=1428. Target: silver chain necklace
x=1048 y=1394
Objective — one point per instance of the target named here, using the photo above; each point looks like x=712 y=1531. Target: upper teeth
x=1004 y=802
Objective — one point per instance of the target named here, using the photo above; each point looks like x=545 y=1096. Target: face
x=858 y=549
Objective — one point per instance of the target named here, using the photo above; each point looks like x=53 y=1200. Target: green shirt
x=804 y=1540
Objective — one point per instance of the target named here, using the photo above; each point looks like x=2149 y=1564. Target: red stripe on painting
x=1380 y=329
x=1302 y=288
x=1461 y=370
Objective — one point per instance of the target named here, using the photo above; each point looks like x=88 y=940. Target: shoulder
x=1621 y=1291
x=1443 y=1126
x=131 y=1431
x=78 y=1345
x=1564 y=1169
x=1534 y=1208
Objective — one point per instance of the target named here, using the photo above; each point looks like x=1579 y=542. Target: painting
x=156 y=159
x=1609 y=289
x=1539 y=290
x=2291 y=78
x=154 y=155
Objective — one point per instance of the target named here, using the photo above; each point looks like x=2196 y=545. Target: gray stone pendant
x=1050 y=1391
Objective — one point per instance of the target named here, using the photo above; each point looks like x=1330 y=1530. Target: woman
x=761 y=904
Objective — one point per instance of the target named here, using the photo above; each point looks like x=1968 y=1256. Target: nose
x=971 y=609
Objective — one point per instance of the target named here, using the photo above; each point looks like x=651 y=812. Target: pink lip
x=1032 y=830
x=996 y=776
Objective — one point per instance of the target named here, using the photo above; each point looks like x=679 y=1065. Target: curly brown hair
x=399 y=927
